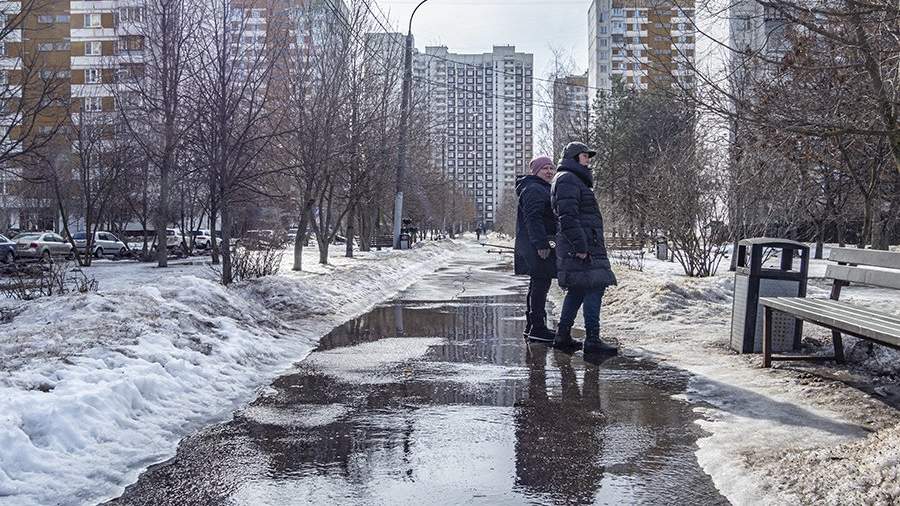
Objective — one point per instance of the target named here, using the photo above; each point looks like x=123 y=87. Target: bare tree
x=154 y=86
x=102 y=152
x=236 y=119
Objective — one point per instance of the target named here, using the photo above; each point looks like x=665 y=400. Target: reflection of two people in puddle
x=558 y=442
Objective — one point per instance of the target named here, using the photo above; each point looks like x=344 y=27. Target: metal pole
x=404 y=128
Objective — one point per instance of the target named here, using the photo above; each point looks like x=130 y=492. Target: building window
x=131 y=14
x=131 y=43
x=93 y=76
x=92 y=20
x=93 y=48
x=59 y=74
x=92 y=104
x=54 y=46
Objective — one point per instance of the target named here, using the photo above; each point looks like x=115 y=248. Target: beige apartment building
x=62 y=58
x=642 y=44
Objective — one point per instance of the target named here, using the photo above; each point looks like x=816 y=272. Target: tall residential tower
x=571 y=106
x=480 y=107
x=642 y=44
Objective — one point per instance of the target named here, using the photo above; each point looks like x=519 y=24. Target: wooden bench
x=868 y=267
x=624 y=244
x=382 y=241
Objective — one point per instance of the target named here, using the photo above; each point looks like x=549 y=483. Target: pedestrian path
x=431 y=401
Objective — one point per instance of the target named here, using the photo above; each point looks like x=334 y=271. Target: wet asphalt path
x=435 y=398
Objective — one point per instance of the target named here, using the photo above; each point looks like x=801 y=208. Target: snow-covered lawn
x=795 y=434
x=95 y=387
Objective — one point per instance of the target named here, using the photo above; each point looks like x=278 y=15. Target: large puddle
x=425 y=401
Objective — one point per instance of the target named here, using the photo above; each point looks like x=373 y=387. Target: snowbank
x=785 y=436
x=96 y=387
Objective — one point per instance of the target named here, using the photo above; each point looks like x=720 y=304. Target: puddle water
x=426 y=401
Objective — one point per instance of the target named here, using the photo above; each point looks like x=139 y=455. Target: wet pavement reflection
x=429 y=401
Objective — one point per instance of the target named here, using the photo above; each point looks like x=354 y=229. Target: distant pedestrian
x=584 y=268
x=478 y=233
x=535 y=227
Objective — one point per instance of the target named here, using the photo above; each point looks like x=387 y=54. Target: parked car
x=42 y=246
x=175 y=240
x=203 y=238
x=105 y=243
x=7 y=250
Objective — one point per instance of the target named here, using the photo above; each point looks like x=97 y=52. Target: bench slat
x=876 y=258
x=887 y=332
x=844 y=312
x=884 y=279
x=857 y=311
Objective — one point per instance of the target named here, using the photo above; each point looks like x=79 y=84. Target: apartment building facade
x=754 y=30
x=642 y=44
x=571 y=107
x=480 y=109
x=61 y=60
x=88 y=52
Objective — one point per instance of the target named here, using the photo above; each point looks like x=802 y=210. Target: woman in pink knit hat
x=535 y=227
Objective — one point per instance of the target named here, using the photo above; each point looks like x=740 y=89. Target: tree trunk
x=302 y=228
x=820 y=241
x=213 y=244
x=144 y=246
x=227 y=274
x=85 y=259
x=162 y=211
x=881 y=232
x=351 y=219
x=365 y=232
x=867 y=223
x=323 y=250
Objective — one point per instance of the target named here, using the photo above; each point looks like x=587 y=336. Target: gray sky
x=473 y=26
x=539 y=27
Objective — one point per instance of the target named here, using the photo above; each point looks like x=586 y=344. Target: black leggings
x=537 y=300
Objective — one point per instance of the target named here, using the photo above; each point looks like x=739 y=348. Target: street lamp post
x=404 y=128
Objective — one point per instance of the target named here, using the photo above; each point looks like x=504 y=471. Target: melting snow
x=96 y=387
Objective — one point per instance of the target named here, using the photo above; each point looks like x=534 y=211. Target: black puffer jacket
x=580 y=229
x=535 y=227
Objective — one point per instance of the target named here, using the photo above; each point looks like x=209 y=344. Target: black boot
x=593 y=344
x=527 y=330
x=563 y=339
x=540 y=332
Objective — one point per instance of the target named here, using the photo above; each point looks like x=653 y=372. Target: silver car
x=105 y=243
x=42 y=246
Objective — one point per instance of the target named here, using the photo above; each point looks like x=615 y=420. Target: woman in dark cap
x=583 y=266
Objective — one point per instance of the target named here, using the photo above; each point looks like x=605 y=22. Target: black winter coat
x=535 y=227
x=580 y=229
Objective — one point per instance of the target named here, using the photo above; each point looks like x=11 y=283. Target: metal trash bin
x=662 y=249
x=752 y=280
x=404 y=241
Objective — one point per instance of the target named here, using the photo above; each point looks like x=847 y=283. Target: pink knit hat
x=539 y=163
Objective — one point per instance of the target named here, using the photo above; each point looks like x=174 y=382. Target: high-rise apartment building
x=61 y=60
x=84 y=52
x=642 y=44
x=571 y=106
x=480 y=109
x=754 y=30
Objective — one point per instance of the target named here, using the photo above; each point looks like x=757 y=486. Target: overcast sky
x=540 y=27
x=474 y=26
